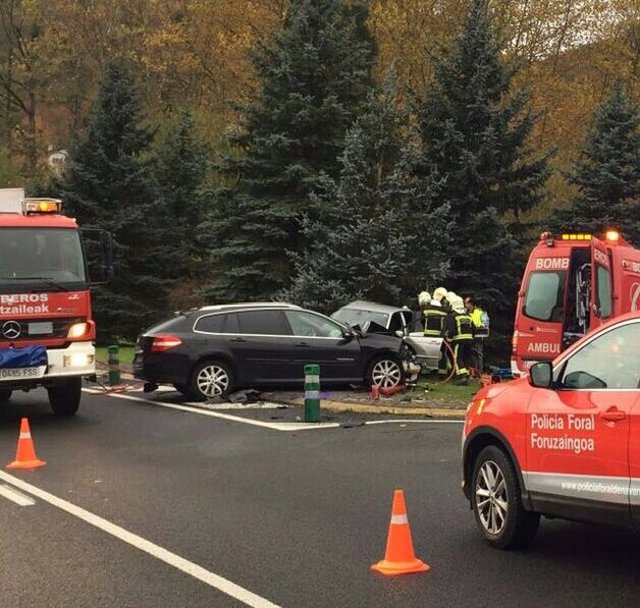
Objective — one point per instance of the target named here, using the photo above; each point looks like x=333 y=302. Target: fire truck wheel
x=65 y=397
x=211 y=379
x=497 y=502
x=5 y=395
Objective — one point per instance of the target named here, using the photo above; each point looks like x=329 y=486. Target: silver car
x=372 y=317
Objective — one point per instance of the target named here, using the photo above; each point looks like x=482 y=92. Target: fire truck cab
x=572 y=284
x=47 y=331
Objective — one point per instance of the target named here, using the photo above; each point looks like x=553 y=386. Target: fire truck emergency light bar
x=41 y=205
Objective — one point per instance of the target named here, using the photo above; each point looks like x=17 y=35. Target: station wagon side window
x=310 y=325
x=263 y=322
x=610 y=361
x=211 y=324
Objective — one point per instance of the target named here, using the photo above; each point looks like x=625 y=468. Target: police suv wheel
x=385 y=372
x=497 y=502
x=211 y=379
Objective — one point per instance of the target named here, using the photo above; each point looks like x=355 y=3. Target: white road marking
x=275 y=426
x=15 y=496
x=213 y=580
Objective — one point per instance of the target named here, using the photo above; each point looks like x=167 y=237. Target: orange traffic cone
x=399 y=557
x=26 y=454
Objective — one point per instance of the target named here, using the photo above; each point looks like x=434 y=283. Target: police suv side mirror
x=541 y=374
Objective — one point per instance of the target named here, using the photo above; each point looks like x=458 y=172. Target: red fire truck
x=46 y=329
x=572 y=284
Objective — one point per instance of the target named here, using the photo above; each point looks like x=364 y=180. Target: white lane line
x=15 y=496
x=275 y=426
x=213 y=580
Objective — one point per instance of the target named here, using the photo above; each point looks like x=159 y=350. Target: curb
x=328 y=405
x=364 y=408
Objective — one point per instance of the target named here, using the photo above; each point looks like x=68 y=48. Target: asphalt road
x=143 y=505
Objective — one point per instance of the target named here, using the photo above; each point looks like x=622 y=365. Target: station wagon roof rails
x=214 y=307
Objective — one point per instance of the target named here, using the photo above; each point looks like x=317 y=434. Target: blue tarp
x=29 y=356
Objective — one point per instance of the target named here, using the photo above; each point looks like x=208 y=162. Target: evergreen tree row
x=336 y=188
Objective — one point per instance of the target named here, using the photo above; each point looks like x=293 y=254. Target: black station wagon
x=213 y=350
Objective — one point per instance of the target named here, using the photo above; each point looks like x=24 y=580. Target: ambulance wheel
x=5 y=395
x=65 y=397
x=497 y=502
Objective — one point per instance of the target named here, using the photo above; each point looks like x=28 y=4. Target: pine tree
x=608 y=173
x=108 y=185
x=313 y=78
x=370 y=233
x=474 y=134
x=180 y=166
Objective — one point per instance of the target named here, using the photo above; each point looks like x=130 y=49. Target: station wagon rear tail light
x=164 y=342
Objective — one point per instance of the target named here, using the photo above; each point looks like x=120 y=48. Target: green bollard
x=312 y=393
x=114 y=364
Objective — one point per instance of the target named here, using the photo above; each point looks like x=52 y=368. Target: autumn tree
x=607 y=174
x=314 y=77
x=109 y=185
x=474 y=135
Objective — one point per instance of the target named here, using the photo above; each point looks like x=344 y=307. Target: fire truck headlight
x=79 y=330
x=78 y=360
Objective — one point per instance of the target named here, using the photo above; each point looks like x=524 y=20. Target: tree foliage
x=474 y=130
x=109 y=186
x=370 y=233
x=314 y=78
x=607 y=174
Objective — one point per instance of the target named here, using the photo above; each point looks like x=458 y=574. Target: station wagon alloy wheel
x=211 y=379
x=491 y=497
x=386 y=373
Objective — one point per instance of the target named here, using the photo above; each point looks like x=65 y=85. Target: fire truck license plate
x=21 y=373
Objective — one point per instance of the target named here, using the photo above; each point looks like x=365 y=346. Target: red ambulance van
x=572 y=284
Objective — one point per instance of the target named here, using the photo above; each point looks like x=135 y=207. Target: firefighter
x=439 y=303
x=480 y=320
x=432 y=316
x=458 y=332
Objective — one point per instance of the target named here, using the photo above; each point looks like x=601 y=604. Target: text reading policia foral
x=24 y=303
x=544 y=438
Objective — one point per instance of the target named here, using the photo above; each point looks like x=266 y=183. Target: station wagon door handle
x=303 y=344
x=613 y=414
x=238 y=340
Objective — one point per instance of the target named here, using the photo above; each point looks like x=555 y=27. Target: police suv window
x=610 y=361
x=545 y=295
x=603 y=293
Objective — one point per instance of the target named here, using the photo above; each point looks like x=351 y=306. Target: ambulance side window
x=545 y=296
x=610 y=361
x=603 y=293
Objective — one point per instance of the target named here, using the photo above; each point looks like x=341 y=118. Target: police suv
x=564 y=441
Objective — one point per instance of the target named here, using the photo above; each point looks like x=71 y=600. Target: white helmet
x=424 y=297
x=451 y=296
x=457 y=303
x=440 y=293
